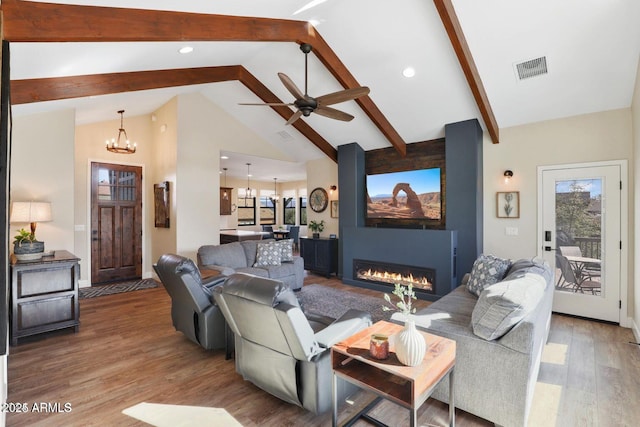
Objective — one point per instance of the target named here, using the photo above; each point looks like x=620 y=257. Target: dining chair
x=294 y=234
x=591 y=269
x=579 y=283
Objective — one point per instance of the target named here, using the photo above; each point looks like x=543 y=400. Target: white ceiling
x=592 y=49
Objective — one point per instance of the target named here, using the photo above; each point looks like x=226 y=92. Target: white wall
x=635 y=117
x=587 y=138
x=197 y=174
x=42 y=168
x=164 y=130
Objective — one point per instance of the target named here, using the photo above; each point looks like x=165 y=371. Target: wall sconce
x=507 y=176
x=332 y=189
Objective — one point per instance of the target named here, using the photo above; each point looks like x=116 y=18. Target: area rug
x=334 y=303
x=162 y=415
x=116 y=288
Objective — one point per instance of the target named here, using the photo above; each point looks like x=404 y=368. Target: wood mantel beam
x=458 y=41
x=26 y=21
x=47 y=89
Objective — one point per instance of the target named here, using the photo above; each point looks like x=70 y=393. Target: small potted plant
x=26 y=247
x=316 y=228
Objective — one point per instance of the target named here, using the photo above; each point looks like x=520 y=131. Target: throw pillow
x=287 y=250
x=268 y=254
x=486 y=271
x=501 y=306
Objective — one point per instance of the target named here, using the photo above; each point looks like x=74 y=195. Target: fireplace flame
x=421 y=282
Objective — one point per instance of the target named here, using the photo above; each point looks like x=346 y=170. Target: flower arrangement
x=405 y=296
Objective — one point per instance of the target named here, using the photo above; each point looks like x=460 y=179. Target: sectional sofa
x=500 y=329
x=258 y=257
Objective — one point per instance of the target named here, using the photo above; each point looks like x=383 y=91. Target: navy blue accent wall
x=463 y=155
x=421 y=248
x=351 y=182
x=463 y=149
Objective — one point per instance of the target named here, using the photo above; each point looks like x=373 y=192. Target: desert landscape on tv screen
x=404 y=195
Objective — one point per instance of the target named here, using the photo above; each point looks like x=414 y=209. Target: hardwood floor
x=127 y=352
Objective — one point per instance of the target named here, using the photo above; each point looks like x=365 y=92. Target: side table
x=44 y=294
x=406 y=386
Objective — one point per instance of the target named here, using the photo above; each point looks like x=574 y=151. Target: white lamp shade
x=30 y=212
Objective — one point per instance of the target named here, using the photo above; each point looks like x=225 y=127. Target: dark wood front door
x=116 y=222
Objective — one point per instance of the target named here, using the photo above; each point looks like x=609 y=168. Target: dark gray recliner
x=193 y=308
x=279 y=349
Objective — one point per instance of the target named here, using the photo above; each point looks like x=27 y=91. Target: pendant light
x=247 y=193
x=225 y=194
x=114 y=145
x=275 y=197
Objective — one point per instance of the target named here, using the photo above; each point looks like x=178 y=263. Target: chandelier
x=275 y=197
x=114 y=145
x=247 y=193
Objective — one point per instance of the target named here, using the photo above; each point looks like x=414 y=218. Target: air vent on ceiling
x=284 y=135
x=532 y=68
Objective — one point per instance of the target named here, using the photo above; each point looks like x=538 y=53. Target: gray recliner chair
x=277 y=347
x=193 y=308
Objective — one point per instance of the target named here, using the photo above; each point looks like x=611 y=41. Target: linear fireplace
x=384 y=273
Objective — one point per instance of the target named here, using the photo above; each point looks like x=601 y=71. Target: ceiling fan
x=307 y=104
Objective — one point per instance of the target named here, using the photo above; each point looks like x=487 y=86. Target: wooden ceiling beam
x=26 y=21
x=458 y=41
x=327 y=56
x=48 y=89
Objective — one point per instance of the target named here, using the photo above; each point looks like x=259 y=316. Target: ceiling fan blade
x=269 y=104
x=291 y=86
x=294 y=117
x=332 y=113
x=342 y=96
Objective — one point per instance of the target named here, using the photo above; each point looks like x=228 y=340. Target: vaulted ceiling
x=98 y=60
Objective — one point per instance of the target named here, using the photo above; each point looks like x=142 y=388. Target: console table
x=320 y=255
x=44 y=295
x=407 y=386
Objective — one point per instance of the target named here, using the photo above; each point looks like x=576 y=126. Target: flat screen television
x=412 y=196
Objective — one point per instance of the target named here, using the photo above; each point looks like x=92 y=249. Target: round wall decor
x=318 y=199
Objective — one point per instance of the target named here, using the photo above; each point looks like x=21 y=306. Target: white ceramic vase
x=410 y=345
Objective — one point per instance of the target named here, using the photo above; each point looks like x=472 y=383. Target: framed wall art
x=162 y=204
x=508 y=204
x=335 y=205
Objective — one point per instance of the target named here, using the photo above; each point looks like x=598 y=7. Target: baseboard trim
x=636 y=330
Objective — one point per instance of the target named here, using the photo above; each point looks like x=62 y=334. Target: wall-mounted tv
x=408 y=197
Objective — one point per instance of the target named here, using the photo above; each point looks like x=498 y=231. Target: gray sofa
x=240 y=257
x=495 y=374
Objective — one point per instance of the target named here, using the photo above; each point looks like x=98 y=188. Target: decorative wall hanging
x=508 y=204
x=161 y=203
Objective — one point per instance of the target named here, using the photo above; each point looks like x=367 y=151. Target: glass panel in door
x=581 y=235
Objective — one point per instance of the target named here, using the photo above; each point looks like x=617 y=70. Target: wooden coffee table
x=407 y=386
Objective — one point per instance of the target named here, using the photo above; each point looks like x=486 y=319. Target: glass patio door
x=581 y=237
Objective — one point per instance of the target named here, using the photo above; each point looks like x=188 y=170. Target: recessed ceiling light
x=224 y=157
x=186 y=49
x=409 y=72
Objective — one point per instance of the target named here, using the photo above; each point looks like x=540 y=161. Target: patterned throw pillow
x=486 y=271
x=287 y=250
x=268 y=254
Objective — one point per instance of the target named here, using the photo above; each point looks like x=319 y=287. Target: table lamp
x=31 y=212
